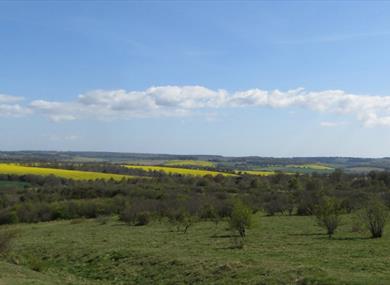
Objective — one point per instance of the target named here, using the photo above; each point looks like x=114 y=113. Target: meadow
x=278 y=250
x=177 y=170
x=8 y=168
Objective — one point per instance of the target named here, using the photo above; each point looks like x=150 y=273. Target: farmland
x=201 y=163
x=177 y=170
x=7 y=168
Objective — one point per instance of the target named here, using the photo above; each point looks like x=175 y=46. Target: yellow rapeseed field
x=8 y=168
x=176 y=170
x=258 y=172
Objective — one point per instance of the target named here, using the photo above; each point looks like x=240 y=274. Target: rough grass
x=177 y=170
x=201 y=163
x=8 y=168
x=278 y=250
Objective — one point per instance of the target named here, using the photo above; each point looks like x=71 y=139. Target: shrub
x=102 y=220
x=6 y=238
x=143 y=218
x=328 y=214
x=375 y=215
x=181 y=219
x=7 y=216
x=241 y=218
x=128 y=215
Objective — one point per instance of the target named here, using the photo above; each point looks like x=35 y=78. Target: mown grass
x=7 y=168
x=278 y=250
x=177 y=170
x=201 y=163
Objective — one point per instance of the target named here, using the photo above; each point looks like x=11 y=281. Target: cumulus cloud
x=186 y=100
x=9 y=106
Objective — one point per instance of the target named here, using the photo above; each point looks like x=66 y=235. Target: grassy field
x=177 y=170
x=73 y=174
x=299 y=168
x=201 y=163
x=311 y=166
x=278 y=250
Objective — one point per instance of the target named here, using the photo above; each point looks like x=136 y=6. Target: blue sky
x=230 y=78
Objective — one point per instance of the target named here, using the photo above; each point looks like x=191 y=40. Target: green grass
x=201 y=163
x=8 y=168
x=178 y=170
x=278 y=250
x=314 y=166
x=299 y=168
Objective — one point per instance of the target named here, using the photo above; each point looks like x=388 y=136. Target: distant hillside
x=354 y=164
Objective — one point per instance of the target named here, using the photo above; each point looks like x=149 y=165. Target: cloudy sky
x=230 y=78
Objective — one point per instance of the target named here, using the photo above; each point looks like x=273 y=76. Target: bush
x=128 y=215
x=143 y=218
x=7 y=216
x=181 y=219
x=328 y=214
x=102 y=220
x=241 y=218
x=6 y=238
x=375 y=215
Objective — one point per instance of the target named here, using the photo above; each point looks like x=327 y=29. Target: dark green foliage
x=51 y=198
x=143 y=218
x=8 y=216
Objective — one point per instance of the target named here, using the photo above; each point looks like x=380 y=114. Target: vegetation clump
x=241 y=218
x=328 y=214
x=375 y=215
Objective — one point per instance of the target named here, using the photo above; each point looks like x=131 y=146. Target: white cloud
x=9 y=106
x=8 y=99
x=185 y=100
x=332 y=124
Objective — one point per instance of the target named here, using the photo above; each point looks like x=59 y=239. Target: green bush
x=375 y=216
x=328 y=214
x=241 y=218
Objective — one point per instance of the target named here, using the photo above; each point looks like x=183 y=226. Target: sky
x=204 y=77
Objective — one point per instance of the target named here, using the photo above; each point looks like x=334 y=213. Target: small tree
x=241 y=218
x=375 y=215
x=328 y=214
